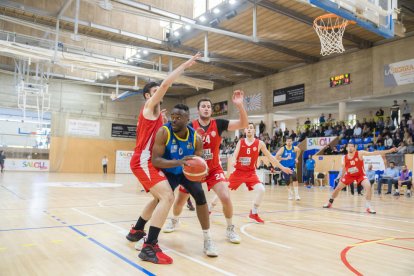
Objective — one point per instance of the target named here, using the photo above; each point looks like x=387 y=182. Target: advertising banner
x=318 y=142
x=399 y=73
x=30 y=165
x=122 y=160
x=82 y=128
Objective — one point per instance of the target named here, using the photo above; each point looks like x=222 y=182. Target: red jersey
x=354 y=166
x=211 y=143
x=146 y=131
x=248 y=155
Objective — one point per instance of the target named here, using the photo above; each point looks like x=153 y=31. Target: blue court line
x=10 y=191
x=113 y=252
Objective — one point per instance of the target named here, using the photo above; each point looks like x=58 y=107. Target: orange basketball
x=196 y=170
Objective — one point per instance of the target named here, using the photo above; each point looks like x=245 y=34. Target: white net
x=330 y=29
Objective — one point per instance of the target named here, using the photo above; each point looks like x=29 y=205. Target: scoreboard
x=339 y=80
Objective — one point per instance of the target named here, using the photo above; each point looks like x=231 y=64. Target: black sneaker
x=135 y=235
x=190 y=206
x=397 y=194
x=153 y=253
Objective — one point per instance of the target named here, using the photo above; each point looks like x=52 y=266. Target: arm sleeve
x=222 y=125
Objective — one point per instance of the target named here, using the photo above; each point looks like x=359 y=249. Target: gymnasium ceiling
x=285 y=37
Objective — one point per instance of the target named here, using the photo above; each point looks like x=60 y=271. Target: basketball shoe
x=209 y=248
x=232 y=235
x=371 y=211
x=135 y=235
x=151 y=252
x=172 y=224
x=255 y=217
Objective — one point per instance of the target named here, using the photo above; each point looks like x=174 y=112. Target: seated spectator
x=380 y=146
x=390 y=177
x=410 y=123
x=349 y=132
x=366 y=131
x=380 y=124
x=402 y=148
x=396 y=140
x=330 y=120
x=388 y=123
x=380 y=113
x=408 y=140
x=405 y=178
x=388 y=142
x=328 y=131
x=370 y=173
x=307 y=123
x=328 y=150
x=357 y=130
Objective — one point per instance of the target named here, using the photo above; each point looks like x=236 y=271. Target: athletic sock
x=229 y=221
x=396 y=190
x=296 y=189
x=206 y=234
x=140 y=224
x=254 y=210
x=368 y=204
x=153 y=234
x=176 y=218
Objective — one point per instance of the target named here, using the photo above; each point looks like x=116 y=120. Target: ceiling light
x=176 y=34
x=216 y=11
x=130 y=60
x=101 y=77
x=106 y=75
x=232 y=2
x=138 y=56
x=202 y=18
x=111 y=71
x=145 y=52
x=187 y=27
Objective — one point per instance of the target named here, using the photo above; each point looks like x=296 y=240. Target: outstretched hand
x=238 y=97
x=191 y=61
x=286 y=170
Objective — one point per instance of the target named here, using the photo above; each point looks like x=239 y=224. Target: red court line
x=346 y=263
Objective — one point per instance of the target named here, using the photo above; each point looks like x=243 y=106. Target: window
x=352 y=119
x=200 y=6
x=283 y=126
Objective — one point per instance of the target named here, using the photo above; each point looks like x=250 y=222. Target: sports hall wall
x=76 y=153
x=367 y=75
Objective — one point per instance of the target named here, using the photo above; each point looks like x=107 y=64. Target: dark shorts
x=290 y=177
x=179 y=179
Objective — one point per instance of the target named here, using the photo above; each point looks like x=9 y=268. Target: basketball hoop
x=330 y=29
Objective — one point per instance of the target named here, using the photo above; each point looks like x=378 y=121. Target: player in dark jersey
x=152 y=179
x=211 y=131
x=174 y=144
x=353 y=170
x=288 y=156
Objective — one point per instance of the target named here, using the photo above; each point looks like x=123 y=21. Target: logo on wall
x=399 y=73
x=253 y=102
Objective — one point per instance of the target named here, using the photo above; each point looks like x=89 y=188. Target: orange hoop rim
x=331 y=15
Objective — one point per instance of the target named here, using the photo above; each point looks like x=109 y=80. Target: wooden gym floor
x=64 y=229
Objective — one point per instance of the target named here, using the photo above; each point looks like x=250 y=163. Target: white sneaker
x=290 y=197
x=297 y=197
x=171 y=225
x=232 y=235
x=210 y=248
x=139 y=244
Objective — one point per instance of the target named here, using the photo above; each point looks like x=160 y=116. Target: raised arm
x=243 y=121
x=363 y=153
x=272 y=159
x=158 y=151
x=159 y=94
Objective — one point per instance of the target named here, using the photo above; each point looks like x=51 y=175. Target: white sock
x=254 y=210
x=296 y=190
x=290 y=190
x=396 y=190
x=229 y=222
x=176 y=218
x=368 y=204
x=206 y=234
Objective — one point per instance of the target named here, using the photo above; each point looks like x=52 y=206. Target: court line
x=10 y=191
x=365 y=216
x=242 y=229
x=113 y=252
x=169 y=249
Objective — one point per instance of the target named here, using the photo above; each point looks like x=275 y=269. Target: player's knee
x=167 y=198
x=200 y=197
x=259 y=188
x=225 y=199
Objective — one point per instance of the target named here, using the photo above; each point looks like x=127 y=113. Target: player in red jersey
x=211 y=130
x=353 y=170
x=152 y=179
x=245 y=158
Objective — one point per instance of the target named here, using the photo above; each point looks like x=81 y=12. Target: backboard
x=374 y=15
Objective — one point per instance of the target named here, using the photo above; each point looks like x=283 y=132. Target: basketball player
x=289 y=156
x=152 y=179
x=353 y=170
x=174 y=142
x=211 y=130
x=245 y=156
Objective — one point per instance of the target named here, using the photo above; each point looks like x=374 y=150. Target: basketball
x=196 y=170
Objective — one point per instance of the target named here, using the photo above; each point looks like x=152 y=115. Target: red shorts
x=239 y=177
x=143 y=169
x=214 y=176
x=349 y=179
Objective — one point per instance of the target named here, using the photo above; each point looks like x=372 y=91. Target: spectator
x=388 y=142
x=310 y=171
x=307 y=123
x=322 y=120
x=394 y=113
x=293 y=135
x=402 y=148
x=277 y=128
x=380 y=146
x=328 y=150
x=359 y=188
x=410 y=123
x=349 y=132
x=330 y=119
x=408 y=140
x=329 y=131
x=105 y=164
x=405 y=178
x=406 y=110
x=262 y=127
x=380 y=114
x=357 y=130
x=388 y=123
x=370 y=173
x=390 y=177
x=2 y=158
